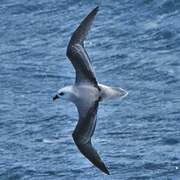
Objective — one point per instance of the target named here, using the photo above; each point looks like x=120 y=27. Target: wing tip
x=90 y=153
x=75 y=38
x=105 y=169
x=96 y=8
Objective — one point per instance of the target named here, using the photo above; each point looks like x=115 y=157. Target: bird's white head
x=65 y=93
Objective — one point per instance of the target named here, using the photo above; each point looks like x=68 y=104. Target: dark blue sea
x=134 y=45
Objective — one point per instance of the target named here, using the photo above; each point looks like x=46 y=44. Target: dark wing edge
x=78 y=55
x=91 y=154
x=82 y=138
x=80 y=33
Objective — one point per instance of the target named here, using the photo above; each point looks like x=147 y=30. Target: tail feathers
x=112 y=92
x=119 y=91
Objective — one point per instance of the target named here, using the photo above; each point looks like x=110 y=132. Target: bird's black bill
x=55 y=97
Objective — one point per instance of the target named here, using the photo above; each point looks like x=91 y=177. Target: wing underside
x=78 y=55
x=82 y=137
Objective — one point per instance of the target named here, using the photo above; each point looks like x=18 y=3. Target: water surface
x=133 y=45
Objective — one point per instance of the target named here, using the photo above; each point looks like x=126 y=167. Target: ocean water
x=134 y=45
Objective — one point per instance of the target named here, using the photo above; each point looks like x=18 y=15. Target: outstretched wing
x=82 y=137
x=78 y=55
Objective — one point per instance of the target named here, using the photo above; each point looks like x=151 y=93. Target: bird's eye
x=61 y=94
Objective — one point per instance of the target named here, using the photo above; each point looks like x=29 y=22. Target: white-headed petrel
x=86 y=93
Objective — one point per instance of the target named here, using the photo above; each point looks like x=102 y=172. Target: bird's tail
x=108 y=92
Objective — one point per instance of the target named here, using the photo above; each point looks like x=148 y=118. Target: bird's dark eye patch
x=61 y=94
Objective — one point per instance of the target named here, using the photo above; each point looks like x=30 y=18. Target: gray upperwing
x=82 y=137
x=90 y=153
x=78 y=55
x=80 y=33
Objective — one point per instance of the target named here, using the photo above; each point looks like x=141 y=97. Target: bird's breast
x=86 y=95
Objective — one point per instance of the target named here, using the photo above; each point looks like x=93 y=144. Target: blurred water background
x=134 y=45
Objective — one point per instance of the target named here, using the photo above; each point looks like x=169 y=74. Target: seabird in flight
x=86 y=93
